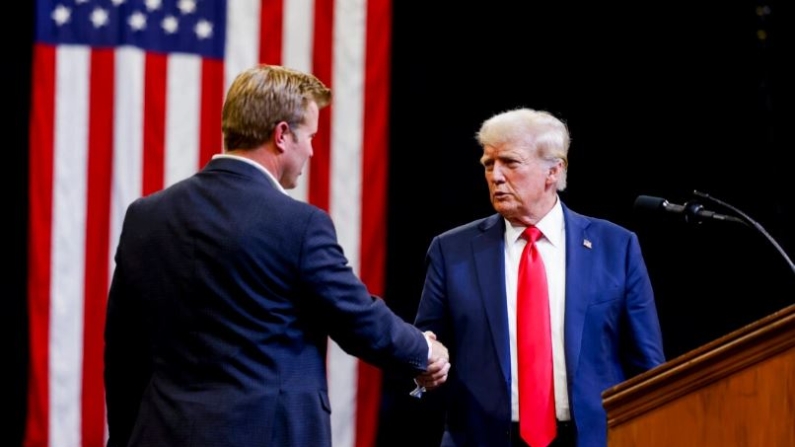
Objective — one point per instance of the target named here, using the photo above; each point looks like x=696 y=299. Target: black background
x=661 y=98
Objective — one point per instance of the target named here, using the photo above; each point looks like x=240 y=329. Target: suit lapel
x=579 y=267
x=488 y=252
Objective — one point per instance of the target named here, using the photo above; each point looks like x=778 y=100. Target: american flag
x=126 y=100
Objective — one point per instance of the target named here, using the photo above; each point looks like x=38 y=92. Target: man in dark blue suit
x=602 y=320
x=226 y=290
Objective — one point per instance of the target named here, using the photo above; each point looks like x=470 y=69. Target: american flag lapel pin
x=587 y=243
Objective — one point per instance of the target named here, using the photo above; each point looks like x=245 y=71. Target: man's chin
x=502 y=206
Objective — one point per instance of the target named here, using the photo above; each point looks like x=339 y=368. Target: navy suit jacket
x=611 y=329
x=223 y=297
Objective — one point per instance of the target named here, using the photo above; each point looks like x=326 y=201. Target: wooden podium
x=738 y=390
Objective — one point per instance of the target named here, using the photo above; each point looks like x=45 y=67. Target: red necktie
x=537 y=423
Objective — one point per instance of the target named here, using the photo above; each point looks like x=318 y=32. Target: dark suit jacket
x=611 y=329
x=224 y=293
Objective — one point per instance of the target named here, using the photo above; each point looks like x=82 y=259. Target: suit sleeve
x=646 y=350
x=433 y=301
x=432 y=315
x=360 y=323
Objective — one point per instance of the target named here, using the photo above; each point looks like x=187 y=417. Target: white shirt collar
x=551 y=226
x=256 y=165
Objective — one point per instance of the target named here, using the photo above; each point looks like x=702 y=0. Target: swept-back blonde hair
x=263 y=96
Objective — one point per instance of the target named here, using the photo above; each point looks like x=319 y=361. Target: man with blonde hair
x=226 y=290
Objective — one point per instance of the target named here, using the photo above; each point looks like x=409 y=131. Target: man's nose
x=496 y=174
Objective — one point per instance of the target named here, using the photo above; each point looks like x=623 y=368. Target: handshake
x=438 y=367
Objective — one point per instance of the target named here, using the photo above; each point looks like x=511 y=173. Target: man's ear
x=554 y=172
x=280 y=134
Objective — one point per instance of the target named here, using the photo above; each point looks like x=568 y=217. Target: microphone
x=694 y=212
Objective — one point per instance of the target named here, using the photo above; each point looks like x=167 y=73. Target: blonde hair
x=263 y=96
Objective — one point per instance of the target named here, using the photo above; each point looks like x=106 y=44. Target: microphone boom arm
x=750 y=222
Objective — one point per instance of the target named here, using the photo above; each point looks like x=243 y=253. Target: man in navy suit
x=226 y=290
x=602 y=317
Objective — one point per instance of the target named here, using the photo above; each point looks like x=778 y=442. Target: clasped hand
x=438 y=366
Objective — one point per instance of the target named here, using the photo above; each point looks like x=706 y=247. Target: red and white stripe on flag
x=126 y=100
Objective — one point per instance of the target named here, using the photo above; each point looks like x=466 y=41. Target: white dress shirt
x=552 y=247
